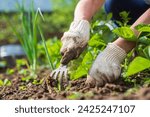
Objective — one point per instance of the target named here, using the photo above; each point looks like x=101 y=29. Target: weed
x=74 y=95
x=23 y=88
x=36 y=82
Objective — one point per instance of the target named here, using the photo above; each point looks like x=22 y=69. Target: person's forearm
x=128 y=45
x=87 y=8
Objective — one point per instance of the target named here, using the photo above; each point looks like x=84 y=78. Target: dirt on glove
x=73 y=52
x=77 y=89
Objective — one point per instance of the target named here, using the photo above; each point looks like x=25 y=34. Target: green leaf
x=146 y=52
x=1 y=83
x=144 y=40
x=10 y=71
x=109 y=16
x=23 y=88
x=124 y=14
x=96 y=41
x=74 y=95
x=36 y=82
x=125 y=17
x=26 y=79
x=82 y=70
x=143 y=28
x=137 y=65
x=53 y=46
x=126 y=33
x=7 y=82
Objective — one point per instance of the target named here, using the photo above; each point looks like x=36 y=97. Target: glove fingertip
x=63 y=61
x=90 y=81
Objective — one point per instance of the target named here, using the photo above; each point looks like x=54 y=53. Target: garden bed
x=77 y=89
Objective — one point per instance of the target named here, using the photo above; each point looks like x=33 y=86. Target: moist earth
x=76 y=89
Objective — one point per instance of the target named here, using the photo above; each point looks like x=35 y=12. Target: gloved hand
x=75 y=40
x=106 y=68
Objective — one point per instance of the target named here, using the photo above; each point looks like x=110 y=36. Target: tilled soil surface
x=77 y=89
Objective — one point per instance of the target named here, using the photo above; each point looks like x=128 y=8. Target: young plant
x=28 y=34
x=5 y=82
x=142 y=61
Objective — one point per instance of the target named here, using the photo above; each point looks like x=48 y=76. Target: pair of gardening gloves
x=106 y=68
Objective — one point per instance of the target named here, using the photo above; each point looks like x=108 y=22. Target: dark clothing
x=135 y=8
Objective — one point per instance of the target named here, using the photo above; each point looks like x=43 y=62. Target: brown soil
x=76 y=90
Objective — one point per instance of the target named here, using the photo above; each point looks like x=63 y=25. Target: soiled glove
x=75 y=40
x=106 y=68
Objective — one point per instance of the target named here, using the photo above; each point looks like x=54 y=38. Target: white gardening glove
x=75 y=40
x=106 y=68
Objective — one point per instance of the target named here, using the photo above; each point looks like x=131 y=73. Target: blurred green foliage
x=53 y=47
x=55 y=22
x=62 y=16
x=6 y=33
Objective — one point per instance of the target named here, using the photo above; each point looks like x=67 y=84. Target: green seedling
x=29 y=77
x=5 y=82
x=24 y=72
x=28 y=36
x=36 y=82
x=74 y=95
x=10 y=71
x=21 y=63
x=23 y=88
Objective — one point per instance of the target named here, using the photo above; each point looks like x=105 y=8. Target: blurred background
x=54 y=12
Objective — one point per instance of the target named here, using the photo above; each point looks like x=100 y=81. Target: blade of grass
x=46 y=50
